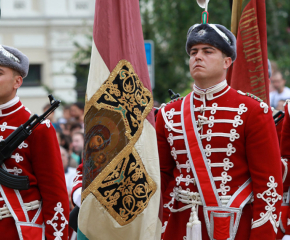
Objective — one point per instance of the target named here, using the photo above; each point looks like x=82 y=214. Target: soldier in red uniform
x=41 y=212
x=285 y=154
x=221 y=148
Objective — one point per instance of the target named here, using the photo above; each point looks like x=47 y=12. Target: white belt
x=193 y=199
x=5 y=213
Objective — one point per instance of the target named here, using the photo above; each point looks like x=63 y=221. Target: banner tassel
x=193 y=227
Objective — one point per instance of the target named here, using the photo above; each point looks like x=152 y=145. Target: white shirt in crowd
x=275 y=97
x=70 y=174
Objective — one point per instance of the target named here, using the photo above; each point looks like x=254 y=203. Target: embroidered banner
x=113 y=170
x=249 y=72
x=121 y=175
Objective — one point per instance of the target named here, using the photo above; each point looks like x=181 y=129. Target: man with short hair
x=78 y=145
x=215 y=144
x=41 y=212
x=281 y=92
x=69 y=172
x=76 y=127
x=77 y=112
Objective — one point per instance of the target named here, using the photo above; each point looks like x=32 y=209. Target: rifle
x=172 y=96
x=278 y=116
x=8 y=146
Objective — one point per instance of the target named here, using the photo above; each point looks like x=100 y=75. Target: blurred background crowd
x=279 y=92
x=70 y=134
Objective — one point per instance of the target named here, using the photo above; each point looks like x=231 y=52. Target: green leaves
x=171 y=21
x=166 y=23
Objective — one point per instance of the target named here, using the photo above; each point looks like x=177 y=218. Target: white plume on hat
x=203 y=3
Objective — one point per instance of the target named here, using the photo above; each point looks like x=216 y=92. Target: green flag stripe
x=81 y=236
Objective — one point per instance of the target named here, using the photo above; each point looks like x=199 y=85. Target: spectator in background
x=78 y=145
x=76 y=127
x=69 y=172
x=280 y=92
x=66 y=127
x=51 y=117
x=65 y=141
x=272 y=68
x=280 y=105
x=65 y=115
x=77 y=112
x=65 y=118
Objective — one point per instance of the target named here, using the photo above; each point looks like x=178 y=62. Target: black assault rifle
x=8 y=146
x=278 y=116
x=172 y=96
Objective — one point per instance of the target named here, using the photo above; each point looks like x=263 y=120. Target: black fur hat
x=12 y=58
x=212 y=34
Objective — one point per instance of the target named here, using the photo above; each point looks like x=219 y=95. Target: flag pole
x=236 y=15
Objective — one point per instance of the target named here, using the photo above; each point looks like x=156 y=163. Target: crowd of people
x=70 y=134
x=279 y=92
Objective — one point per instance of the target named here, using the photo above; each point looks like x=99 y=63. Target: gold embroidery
x=114 y=173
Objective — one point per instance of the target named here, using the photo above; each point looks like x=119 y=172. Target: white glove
x=286 y=237
x=77 y=197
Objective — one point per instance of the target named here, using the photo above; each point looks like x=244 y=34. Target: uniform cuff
x=77 y=197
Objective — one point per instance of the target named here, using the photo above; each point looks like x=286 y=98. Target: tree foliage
x=81 y=60
x=166 y=23
x=278 y=31
x=171 y=20
x=167 y=26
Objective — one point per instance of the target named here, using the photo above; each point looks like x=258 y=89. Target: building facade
x=46 y=31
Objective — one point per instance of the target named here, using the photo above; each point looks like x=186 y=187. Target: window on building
x=81 y=73
x=19 y=4
x=82 y=5
x=34 y=76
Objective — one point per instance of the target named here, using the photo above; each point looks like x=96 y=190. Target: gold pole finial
x=236 y=15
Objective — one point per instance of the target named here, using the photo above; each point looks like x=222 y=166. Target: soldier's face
x=207 y=63
x=9 y=83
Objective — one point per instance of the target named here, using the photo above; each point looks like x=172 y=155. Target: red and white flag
x=121 y=176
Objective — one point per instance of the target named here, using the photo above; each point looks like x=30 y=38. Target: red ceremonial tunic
x=38 y=157
x=285 y=154
x=78 y=180
x=240 y=141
